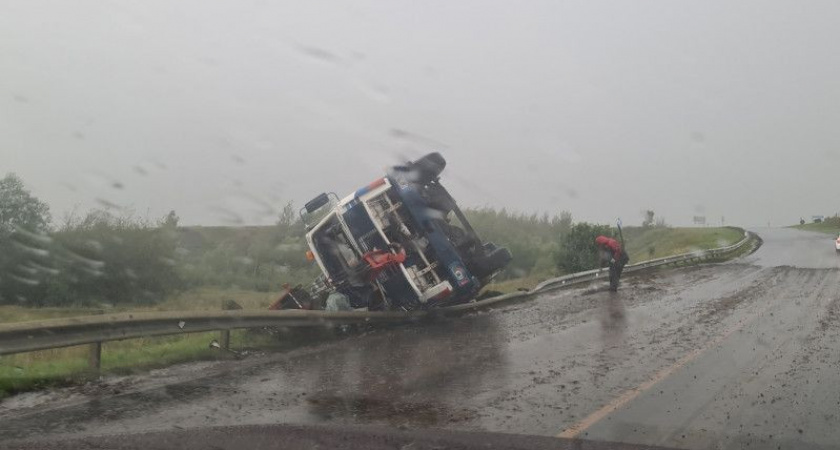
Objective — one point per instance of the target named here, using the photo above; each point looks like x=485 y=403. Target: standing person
x=610 y=251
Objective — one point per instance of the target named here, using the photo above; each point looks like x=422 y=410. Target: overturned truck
x=400 y=242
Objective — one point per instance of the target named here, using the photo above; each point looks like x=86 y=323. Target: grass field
x=212 y=298
x=12 y=313
x=515 y=284
x=824 y=227
x=644 y=244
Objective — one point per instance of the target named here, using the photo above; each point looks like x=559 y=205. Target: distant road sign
x=699 y=220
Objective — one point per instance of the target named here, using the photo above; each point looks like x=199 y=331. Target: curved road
x=742 y=354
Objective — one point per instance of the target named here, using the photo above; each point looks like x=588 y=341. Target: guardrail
x=30 y=336
x=697 y=256
x=94 y=330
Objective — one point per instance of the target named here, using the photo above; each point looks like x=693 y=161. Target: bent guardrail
x=94 y=330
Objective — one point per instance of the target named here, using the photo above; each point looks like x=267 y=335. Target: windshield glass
x=517 y=224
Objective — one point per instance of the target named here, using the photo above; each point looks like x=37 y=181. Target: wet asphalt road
x=739 y=355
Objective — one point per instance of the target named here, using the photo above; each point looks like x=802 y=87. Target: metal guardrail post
x=95 y=353
x=224 y=335
x=95 y=356
x=224 y=339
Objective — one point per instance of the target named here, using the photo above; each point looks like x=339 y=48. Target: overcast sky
x=225 y=110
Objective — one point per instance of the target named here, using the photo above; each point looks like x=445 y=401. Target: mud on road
x=721 y=356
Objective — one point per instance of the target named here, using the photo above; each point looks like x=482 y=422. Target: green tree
x=170 y=220
x=289 y=224
x=24 y=260
x=19 y=209
x=564 y=223
x=649 y=219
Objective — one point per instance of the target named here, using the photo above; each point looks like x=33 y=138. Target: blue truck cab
x=441 y=259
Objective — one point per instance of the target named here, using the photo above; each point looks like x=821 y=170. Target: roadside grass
x=13 y=313
x=515 y=284
x=828 y=227
x=209 y=298
x=66 y=366
x=644 y=244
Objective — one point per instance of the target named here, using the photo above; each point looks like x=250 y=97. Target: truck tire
x=491 y=262
x=499 y=258
x=429 y=167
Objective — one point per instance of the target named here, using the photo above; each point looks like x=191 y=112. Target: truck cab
x=401 y=242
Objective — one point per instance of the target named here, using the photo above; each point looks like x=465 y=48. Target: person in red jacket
x=611 y=252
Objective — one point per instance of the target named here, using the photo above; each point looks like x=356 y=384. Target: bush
x=577 y=249
x=833 y=221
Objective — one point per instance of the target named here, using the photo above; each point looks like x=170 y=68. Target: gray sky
x=224 y=110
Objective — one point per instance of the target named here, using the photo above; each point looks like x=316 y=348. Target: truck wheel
x=491 y=263
x=429 y=166
x=499 y=258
